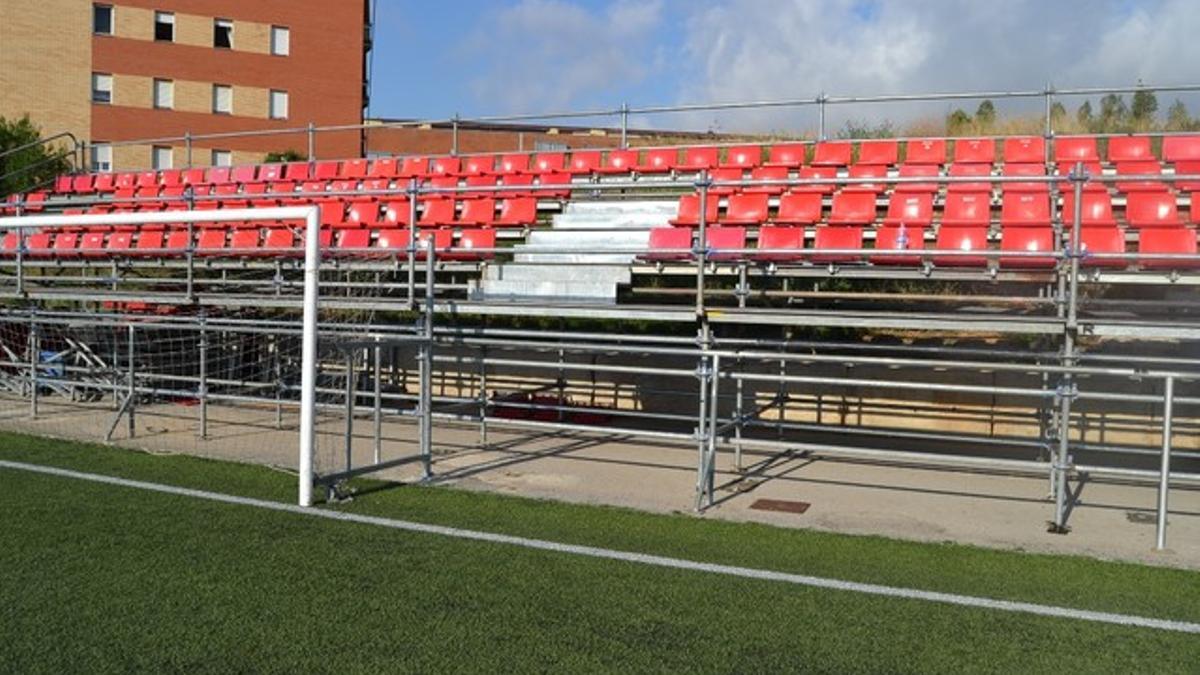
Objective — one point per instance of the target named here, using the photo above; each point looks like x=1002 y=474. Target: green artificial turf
x=99 y=578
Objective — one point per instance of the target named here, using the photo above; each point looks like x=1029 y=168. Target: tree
x=32 y=167
x=1178 y=118
x=985 y=114
x=1144 y=107
x=958 y=122
x=1084 y=115
x=1114 y=114
x=285 y=156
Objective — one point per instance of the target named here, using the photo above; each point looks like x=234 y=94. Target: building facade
x=120 y=71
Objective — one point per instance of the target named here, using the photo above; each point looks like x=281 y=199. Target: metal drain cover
x=782 y=505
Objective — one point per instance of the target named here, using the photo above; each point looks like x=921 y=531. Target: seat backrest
x=510 y=164
x=925 y=151
x=1181 y=149
x=912 y=208
x=1025 y=208
x=1025 y=149
x=918 y=171
x=853 y=208
x=1071 y=149
x=885 y=153
x=479 y=164
x=787 y=154
x=297 y=171
x=670 y=237
x=325 y=170
x=384 y=167
x=746 y=156
x=699 y=158
x=800 y=208
x=832 y=153
x=444 y=166
x=1152 y=209
x=689 y=210
x=414 y=167
x=621 y=160
x=974 y=151
x=269 y=173
x=244 y=173
x=660 y=159
x=725 y=237
x=747 y=208
x=478 y=211
x=354 y=168
x=584 y=161
x=1096 y=209
x=549 y=162
x=967 y=208
x=1129 y=149
x=519 y=210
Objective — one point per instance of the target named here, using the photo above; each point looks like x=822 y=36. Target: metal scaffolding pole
x=378 y=403
x=701 y=250
x=426 y=393
x=349 y=431
x=131 y=396
x=34 y=348
x=1061 y=465
x=1160 y=539
x=202 y=389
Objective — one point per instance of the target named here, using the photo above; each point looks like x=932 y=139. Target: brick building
x=122 y=70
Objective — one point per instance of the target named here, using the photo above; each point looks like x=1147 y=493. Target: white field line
x=640 y=558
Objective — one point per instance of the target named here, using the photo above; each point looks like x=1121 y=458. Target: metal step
x=618 y=274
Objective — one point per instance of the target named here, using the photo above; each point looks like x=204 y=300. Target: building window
x=279 y=105
x=222 y=99
x=164 y=94
x=102 y=19
x=164 y=26
x=222 y=33
x=161 y=157
x=101 y=157
x=222 y=158
x=102 y=88
x=281 y=41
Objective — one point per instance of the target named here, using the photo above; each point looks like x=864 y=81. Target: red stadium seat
x=363 y=214
x=1187 y=167
x=1152 y=209
x=1014 y=170
x=925 y=151
x=832 y=153
x=1025 y=150
x=881 y=153
x=817 y=173
x=1090 y=168
x=910 y=209
x=1140 y=168
x=697 y=159
x=414 y=167
x=297 y=171
x=899 y=238
x=1096 y=209
x=618 y=161
x=554 y=179
x=210 y=241
x=478 y=165
x=477 y=212
x=959 y=238
x=860 y=171
x=549 y=162
x=269 y=173
x=325 y=170
x=38 y=243
x=354 y=168
x=391 y=239
x=218 y=175
x=519 y=211
x=725 y=243
x=397 y=212
x=918 y=171
x=970 y=171
x=172 y=177
x=1026 y=239
x=689 y=211
x=520 y=179
x=511 y=164
x=481 y=182
x=244 y=174
x=763 y=173
x=584 y=162
x=836 y=237
x=1071 y=149
x=799 y=208
x=853 y=208
x=658 y=160
x=1181 y=149
x=1130 y=149
x=773 y=241
x=1025 y=209
x=967 y=209
x=663 y=239
x=445 y=166
x=743 y=157
x=62 y=184
x=725 y=175
x=746 y=209
x=107 y=182
x=974 y=151
x=789 y=155
x=150 y=179
x=1170 y=241
x=119 y=243
x=66 y=244
x=438 y=211
x=246 y=241
x=385 y=167
x=469 y=241
x=281 y=239
x=83 y=184
x=353 y=241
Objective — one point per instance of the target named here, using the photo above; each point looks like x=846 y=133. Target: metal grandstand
x=1016 y=304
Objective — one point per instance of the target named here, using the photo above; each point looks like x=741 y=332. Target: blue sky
x=433 y=60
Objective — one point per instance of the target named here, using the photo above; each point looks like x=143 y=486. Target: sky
x=433 y=60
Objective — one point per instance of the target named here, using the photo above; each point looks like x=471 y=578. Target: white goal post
x=311 y=215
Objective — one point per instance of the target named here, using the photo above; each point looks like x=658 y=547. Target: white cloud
x=772 y=49
x=539 y=55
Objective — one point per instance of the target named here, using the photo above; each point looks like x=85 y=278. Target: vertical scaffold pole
x=1062 y=460
x=350 y=394
x=413 y=191
x=187 y=145
x=131 y=404
x=454 y=135
x=426 y=394
x=202 y=391
x=821 y=119
x=34 y=348
x=312 y=141
x=1164 y=476
x=703 y=373
x=377 y=375
x=624 y=126
x=308 y=358
x=701 y=250
x=483 y=396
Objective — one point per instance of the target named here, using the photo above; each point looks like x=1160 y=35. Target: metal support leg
x=34 y=348
x=378 y=404
x=203 y=388
x=349 y=433
x=131 y=405
x=1164 y=477
x=426 y=394
x=702 y=418
x=278 y=385
x=739 y=412
x=483 y=396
